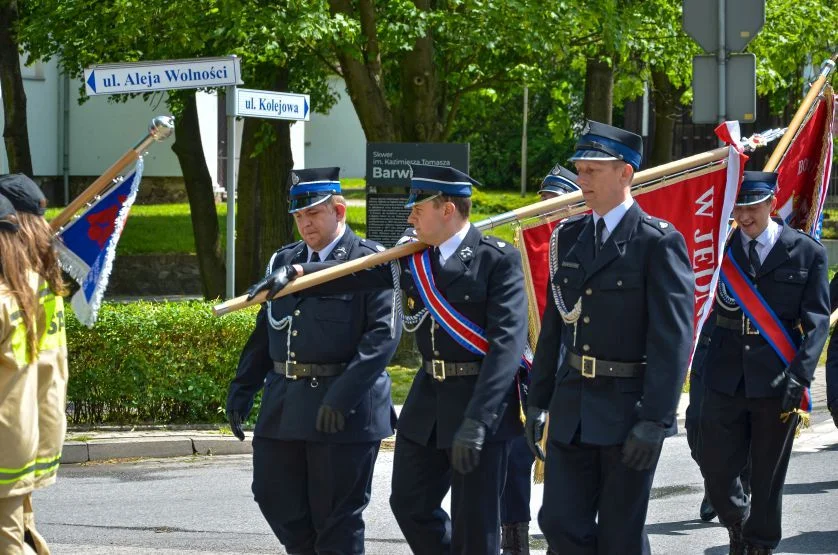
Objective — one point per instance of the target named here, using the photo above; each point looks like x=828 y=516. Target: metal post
x=524 y=143
x=230 y=178
x=720 y=56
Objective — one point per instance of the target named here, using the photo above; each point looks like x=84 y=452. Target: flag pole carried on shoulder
x=560 y=206
x=159 y=129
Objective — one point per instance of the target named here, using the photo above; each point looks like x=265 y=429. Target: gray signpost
x=724 y=84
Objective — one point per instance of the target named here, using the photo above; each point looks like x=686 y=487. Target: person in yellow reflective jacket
x=51 y=372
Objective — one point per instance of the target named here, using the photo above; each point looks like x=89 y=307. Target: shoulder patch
x=499 y=244
x=370 y=245
x=662 y=226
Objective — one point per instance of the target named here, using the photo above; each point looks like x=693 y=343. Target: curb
x=76 y=452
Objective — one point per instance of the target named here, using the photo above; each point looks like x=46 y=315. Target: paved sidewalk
x=83 y=446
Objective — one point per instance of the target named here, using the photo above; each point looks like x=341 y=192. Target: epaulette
x=662 y=226
x=289 y=246
x=499 y=244
x=569 y=222
x=371 y=246
x=806 y=235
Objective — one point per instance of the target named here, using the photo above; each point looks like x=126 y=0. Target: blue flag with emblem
x=87 y=246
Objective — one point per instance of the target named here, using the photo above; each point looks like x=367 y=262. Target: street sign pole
x=230 y=178
x=721 y=54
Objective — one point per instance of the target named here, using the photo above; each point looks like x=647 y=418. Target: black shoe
x=515 y=538
x=706 y=511
x=737 y=544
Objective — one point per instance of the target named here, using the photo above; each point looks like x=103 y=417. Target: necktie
x=600 y=229
x=753 y=258
x=315 y=257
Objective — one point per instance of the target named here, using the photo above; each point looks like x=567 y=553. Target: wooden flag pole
x=543 y=208
x=159 y=129
x=800 y=115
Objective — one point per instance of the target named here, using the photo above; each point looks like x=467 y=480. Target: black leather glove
x=468 y=441
x=534 y=430
x=274 y=283
x=329 y=420
x=793 y=393
x=235 y=420
x=643 y=445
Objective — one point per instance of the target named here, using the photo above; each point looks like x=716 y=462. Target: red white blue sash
x=465 y=332
x=755 y=307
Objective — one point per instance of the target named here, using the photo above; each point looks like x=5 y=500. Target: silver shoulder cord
x=283 y=323
x=569 y=316
x=410 y=323
x=724 y=298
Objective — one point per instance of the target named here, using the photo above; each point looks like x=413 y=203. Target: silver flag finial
x=161 y=127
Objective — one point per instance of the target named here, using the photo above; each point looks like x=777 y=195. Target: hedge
x=167 y=363
x=154 y=362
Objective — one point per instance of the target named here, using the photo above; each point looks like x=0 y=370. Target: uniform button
x=436 y=326
x=293 y=355
x=619 y=283
x=587 y=319
x=747 y=347
x=466 y=297
x=296 y=313
x=586 y=348
x=436 y=353
x=294 y=333
x=589 y=291
x=565 y=280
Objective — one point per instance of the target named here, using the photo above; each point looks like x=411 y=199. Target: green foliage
x=154 y=362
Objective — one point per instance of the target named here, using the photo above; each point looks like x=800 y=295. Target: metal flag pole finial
x=160 y=128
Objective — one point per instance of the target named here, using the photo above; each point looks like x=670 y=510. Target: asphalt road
x=204 y=505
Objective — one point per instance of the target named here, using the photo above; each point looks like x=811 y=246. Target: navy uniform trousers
x=515 y=502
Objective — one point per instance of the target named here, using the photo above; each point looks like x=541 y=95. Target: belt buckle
x=747 y=327
x=288 y=375
x=438 y=369
x=588 y=366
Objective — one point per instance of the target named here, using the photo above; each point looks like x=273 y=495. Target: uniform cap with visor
x=756 y=187
x=428 y=182
x=312 y=186
x=559 y=181
x=600 y=141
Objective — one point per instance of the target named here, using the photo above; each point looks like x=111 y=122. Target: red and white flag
x=698 y=205
x=804 y=171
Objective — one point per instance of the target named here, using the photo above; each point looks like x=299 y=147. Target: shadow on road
x=680 y=528
x=808 y=489
x=810 y=542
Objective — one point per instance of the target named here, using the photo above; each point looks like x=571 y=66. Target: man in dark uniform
x=832 y=357
x=320 y=361
x=460 y=413
x=747 y=385
x=515 y=502
x=611 y=357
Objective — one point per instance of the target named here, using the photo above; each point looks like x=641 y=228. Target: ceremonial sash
x=465 y=332
x=755 y=307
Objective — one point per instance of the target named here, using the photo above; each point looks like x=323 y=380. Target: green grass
x=402 y=377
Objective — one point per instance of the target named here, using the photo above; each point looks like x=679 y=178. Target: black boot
x=751 y=549
x=515 y=538
x=706 y=511
x=737 y=544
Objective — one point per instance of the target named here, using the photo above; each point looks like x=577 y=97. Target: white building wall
x=336 y=138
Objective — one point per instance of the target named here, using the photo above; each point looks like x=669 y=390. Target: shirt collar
x=327 y=250
x=449 y=246
x=613 y=217
x=768 y=236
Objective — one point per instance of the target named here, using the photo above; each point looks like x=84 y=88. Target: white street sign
x=140 y=77
x=269 y=104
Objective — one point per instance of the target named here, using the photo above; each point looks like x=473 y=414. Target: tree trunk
x=263 y=224
x=665 y=98
x=364 y=79
x=189 y=151
x=15 y=131
x=420 y=115
x=599 y=90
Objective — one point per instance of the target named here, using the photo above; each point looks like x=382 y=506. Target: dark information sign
x=388 y=181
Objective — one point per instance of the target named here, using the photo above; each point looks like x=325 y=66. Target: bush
x=154 y=362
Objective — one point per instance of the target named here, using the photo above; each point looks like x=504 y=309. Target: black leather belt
x=293 y=370
x=742 y=324
x=440 y=370
x=592 y=367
